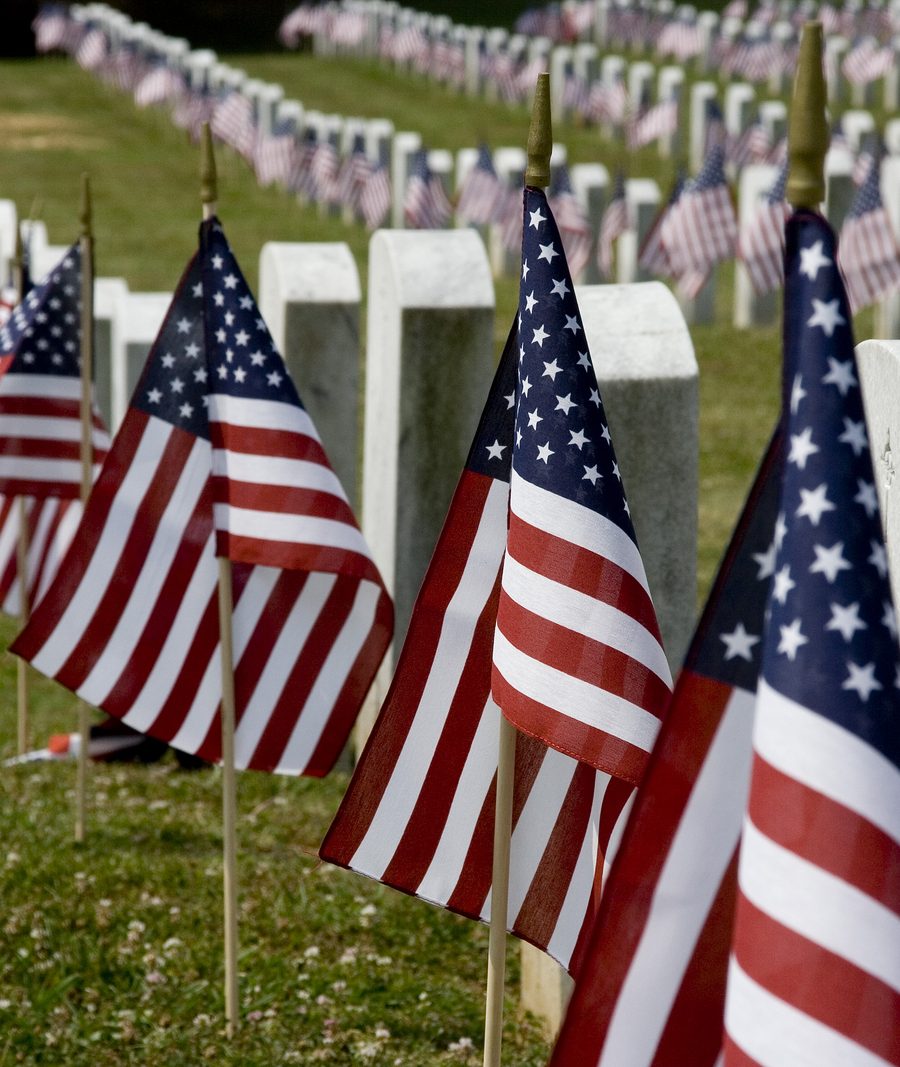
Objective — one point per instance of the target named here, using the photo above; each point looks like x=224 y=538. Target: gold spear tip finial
x=540 y=136
x=84 y=215
x=808 y=125
x=209 y=187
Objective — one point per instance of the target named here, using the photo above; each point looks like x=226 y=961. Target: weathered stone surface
x=701 y=94
x=429 y=365
x=887 y=319
x=879 y=370
x=590 y=183
x=309 y=295
x=644 y=359
x=751 y=308
x=108 y=294
x=643 y=197
x=138 y=317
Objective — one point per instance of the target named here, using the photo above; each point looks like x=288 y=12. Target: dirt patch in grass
x=40 y=132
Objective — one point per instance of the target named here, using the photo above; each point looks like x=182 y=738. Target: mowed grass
x=110 y=953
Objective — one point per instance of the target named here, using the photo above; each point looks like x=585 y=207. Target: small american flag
x=761 y=242
x=660 y=120
x=815 y=959
x=419 y=812
x=867 y=61
x=753 y=145
x=715 y=134
x=40 y=390
x=869 y=254
x=353 y=176
x=482 y=196
x=216 y=449
x=159 y=85
x=375 y=198
x=578 y=659
x=701 y=229
x=322 y=171
x=232 y=122
x=571 y=219
x=274 y=154
x=613 y=224
x=92 y=49
x=425 y=206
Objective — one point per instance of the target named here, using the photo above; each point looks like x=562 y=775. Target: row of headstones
x=430 y=331
x=583 y=59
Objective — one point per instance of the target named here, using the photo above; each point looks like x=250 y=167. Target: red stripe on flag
x=373 y=772
x=824 y=832
x=423 y=831
x=581 y=657
x=289 y=555
x=250 y=440
x=582 y=570
x=570 y=736
x=47 y=619
x=115 y=597
x=817 y=982
x=283 y=499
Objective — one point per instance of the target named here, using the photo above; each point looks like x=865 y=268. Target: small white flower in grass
x=369 y=909
x=463 y=1045
x=4 y=1004
x=339 y=986
x=12 y=858
x=311 y=952
x=349 y=955
x=368 y=1050
x=155 y=978
x=382 y=1032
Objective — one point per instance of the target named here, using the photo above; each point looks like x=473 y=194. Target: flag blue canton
x=491 y=451
x=712 y=173
x=777 y=193
x=485 y=161
x=868 y=196
x=241 y=356
x=174 y=383
x=44 y=330
x=562 y=439
x=831 y=642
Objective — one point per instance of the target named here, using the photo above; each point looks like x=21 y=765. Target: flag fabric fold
x=869 y=254
x=216 y=447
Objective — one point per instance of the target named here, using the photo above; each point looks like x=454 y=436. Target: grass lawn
x=110 y=953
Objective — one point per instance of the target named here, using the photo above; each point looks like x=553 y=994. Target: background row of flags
x=696 y=229
x=744 y=44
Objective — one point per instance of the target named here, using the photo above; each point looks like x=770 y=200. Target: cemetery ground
x=111 y=953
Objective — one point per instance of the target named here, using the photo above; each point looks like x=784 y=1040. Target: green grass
x=110 y=954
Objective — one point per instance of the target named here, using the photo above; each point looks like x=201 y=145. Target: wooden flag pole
x=537 y=174
x=208 y=197
x=86 y=244
x=18 y=272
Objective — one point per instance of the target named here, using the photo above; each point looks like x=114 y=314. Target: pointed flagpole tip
x=85 y=214
x=209 y=186
x=808 y=124
x=540 y=136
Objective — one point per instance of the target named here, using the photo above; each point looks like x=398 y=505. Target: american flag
x=761 y=242
x=40 y=390
x=274 y=155
x=869 y=254
x=612 y=225
x=715 y=133
x=701 y=229
x=652 y=255
x=375 y=198
x=353 y=176
x=815 y=961
x=216 y=451
x=571 y=219
x=681 y=39
x=652 y=989
x=419 y=812
x=322 y=171
x=576 y=95
x=867 y=61
x=51 y=27
x=123 y=69
x=425 y=205
x=660 y=120
x=483 y=195
x=159 y=85
x=578 y=659
x=753 y=145
x=232 y=122
x=92 y=49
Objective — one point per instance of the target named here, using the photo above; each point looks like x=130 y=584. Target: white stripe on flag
x=261 y=415
x=827 y=759
x=291 y=529
x=818 y=905
x=789 y=1036
x=41 y=386
x=566 y=520
x=705 y=840
x=574 y=698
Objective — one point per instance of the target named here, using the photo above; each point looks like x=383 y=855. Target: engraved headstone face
x=879 y=372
